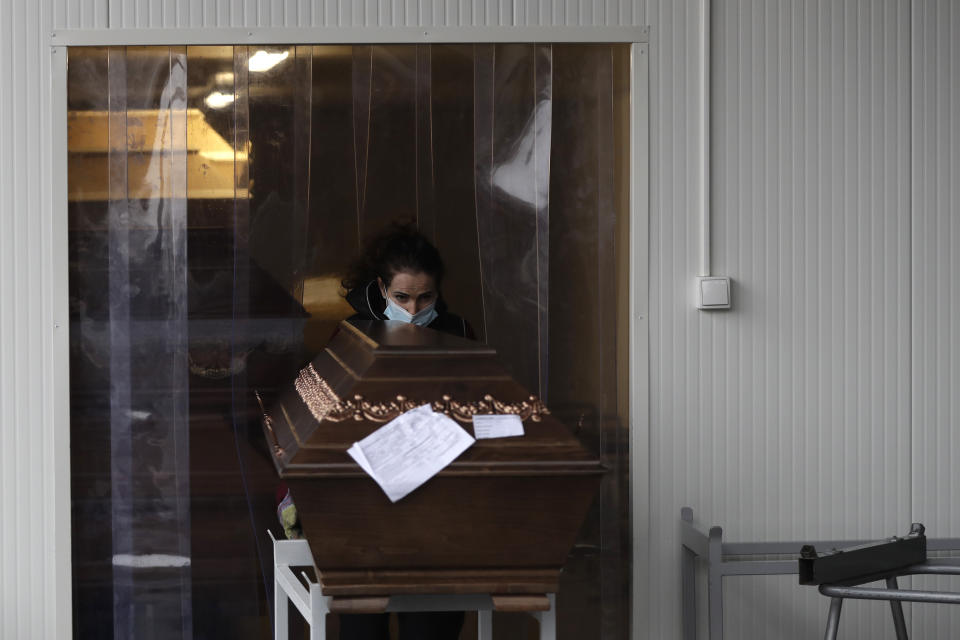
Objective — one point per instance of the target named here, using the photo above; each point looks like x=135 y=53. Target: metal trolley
x=893 y=593
x=732 y=559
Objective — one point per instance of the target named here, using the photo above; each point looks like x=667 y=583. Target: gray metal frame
x=734 y=559
x=344 y=35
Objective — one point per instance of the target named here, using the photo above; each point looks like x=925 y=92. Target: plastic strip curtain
x=278 y=104
x=426 y=179
x=615 y=542
x=333 y=171
x=507 y=156
x=242 y=335
x=385 y=130
x=586 y=196
x=362 y=96
x=272 y=116
x=513 y=112
x=454 y=182
x=405 y=140
x=302 y=126
x=149 y=387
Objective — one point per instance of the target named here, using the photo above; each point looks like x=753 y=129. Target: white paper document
x=410 y=449
x=497 y=426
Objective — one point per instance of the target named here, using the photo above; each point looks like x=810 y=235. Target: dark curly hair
x=398 y=248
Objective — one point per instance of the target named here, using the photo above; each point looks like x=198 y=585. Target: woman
x=398 y=278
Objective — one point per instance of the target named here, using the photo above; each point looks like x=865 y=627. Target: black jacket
x=369 y=305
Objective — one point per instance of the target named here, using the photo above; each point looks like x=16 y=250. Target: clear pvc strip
x=425 y=180
x=118 y=272
x=512 y=123
x=302 y=131
x=149 y=395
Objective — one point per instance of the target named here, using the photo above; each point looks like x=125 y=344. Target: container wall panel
x=139 y=14
x=935 y=479
x=674 y=467
x=79 y=14
x=788 y=416
x=28 y=526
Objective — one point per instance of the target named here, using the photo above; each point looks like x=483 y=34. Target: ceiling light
x=218 y=100
x=263 y=61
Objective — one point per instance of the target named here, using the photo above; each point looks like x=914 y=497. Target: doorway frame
x=55 y=268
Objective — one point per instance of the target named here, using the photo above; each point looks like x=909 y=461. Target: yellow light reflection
x=209 y=158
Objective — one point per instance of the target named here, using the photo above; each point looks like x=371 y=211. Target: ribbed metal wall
x=822 y=405
x=141 y=14
x=674 y=45
x=28 y=524
x=935 y=479
x=789 y=416
x=79 y=14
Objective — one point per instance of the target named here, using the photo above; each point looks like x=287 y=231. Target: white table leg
x=279 y=613
x=548 y=619
x=319 y=608
x=485 y=624
x=280 y=608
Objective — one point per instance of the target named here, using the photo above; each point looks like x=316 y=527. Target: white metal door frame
x=55 y=263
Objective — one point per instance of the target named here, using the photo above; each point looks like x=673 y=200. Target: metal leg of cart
x=715 y=584
x=896 y=608
x=833 y=619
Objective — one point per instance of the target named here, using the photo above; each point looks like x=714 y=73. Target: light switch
x=713 y=292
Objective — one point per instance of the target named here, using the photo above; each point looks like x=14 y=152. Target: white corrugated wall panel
x=262 y=13
x=936 y=293
x=160 y=14
x=672 y=260
x=29 y=574
x=787 y=417
x=79 y=14
x=140 y=14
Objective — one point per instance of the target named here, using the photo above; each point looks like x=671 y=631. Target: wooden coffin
x=500 y=519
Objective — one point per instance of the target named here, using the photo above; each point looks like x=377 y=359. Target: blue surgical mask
x=421 y=318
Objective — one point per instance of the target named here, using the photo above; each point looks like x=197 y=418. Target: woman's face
x=412 y=291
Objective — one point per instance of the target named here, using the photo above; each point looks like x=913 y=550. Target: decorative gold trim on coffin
x=325 y=404
x=319 y=397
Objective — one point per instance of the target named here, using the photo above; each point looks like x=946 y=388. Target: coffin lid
x=371 y=371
